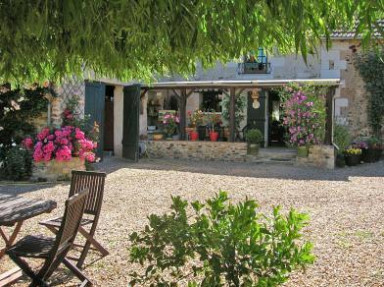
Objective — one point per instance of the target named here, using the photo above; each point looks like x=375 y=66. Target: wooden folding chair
x=94 y=181
x=53 y=250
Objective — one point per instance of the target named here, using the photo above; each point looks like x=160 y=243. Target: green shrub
x=341 y=138
x=220 y=245
x=254 y=136
x=17 y=164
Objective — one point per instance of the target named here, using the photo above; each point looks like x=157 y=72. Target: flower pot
x=157 y=137
x=369 y=155
x=302 y=151
x=253 y=149
x=193 y=135
x=202 y=130
x=213 y=136
x=340 y=160
x=352 y=159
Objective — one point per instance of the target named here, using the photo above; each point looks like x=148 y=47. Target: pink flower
x=49 y=147
x=43 y=134
x=90 y=157
x=63 y=154
x=79 y=134
x=27 y=143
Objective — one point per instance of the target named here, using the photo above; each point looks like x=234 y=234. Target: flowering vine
x=304 y=115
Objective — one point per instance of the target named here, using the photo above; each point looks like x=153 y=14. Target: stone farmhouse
x=126 y=110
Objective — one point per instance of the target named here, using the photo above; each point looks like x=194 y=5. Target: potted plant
x=170 y=124
x=374 y=150
x=342 y=140
x=254 y=137
x=304 y=116
x=352 y=156
x=195 y=119
x=214 y=121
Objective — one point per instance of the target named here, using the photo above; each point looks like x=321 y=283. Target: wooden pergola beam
x=232 y=116
x=329 y=116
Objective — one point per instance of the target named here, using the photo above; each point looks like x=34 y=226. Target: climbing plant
x=371 y=67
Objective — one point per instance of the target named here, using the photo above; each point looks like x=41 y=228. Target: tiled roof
x=342 y=34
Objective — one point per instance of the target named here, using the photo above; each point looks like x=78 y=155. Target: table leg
x=9 y=239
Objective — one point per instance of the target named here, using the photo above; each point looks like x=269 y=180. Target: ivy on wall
x=371 y=67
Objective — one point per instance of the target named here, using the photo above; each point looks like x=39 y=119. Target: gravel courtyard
x=346 y=209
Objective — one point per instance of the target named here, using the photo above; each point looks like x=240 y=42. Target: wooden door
x=94 y=107
x=131 y=122
x=256 y=117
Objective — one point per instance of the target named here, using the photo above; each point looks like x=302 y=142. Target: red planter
x=194 y=135
x=213 y=136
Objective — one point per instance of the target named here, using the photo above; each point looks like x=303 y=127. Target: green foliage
x=220 y=245
x=17 y=164
x=371 y=68
x=240 y=108
x=341 y=138
x=18 y=109
x=50 y=39
x=254 y=136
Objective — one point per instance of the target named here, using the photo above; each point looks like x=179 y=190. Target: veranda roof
x=239 y=83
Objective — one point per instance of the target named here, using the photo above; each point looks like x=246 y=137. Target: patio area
x=345 y=206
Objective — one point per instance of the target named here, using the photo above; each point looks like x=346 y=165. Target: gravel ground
x=345 y=205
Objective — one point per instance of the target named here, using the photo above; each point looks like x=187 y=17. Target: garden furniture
x=14 y=210
x=52 y=250
x=94 y=181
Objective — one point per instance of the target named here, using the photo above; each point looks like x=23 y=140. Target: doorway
x=276 y=131
x=108 y=120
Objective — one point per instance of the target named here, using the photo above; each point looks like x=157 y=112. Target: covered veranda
x=184 y=89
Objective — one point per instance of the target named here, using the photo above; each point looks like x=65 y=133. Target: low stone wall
x=197 y=150
x=321 y=156
x=53 y=171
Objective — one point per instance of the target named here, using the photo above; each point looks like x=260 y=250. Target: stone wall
x=194 y=150
x=53 y=170
x=66 y=91
x=320 y=156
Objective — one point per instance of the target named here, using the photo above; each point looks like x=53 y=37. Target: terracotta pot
x=213 y=136
x=193 y=135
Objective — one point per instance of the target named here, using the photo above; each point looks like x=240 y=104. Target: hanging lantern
x=255 y=98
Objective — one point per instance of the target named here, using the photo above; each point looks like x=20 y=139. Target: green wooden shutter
x=131 y=122
x=94 y=107
x=256 y=117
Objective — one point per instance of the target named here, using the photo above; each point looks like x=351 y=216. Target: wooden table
x=13 y=211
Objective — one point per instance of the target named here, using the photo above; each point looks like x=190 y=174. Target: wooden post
x=329 y=116
x=232 y=126
x=183 y=113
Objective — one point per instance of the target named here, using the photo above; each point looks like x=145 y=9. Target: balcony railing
x=253 y=68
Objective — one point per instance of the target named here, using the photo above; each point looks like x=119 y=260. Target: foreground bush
x=220 y=245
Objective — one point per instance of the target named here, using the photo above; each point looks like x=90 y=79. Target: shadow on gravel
x=18 y=188
x=246 y=169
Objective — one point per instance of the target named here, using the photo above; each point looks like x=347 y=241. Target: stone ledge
x=198 y=150
x=321 y=156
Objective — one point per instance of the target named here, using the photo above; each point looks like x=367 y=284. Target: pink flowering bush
x=61 y=144
x=304 y=115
